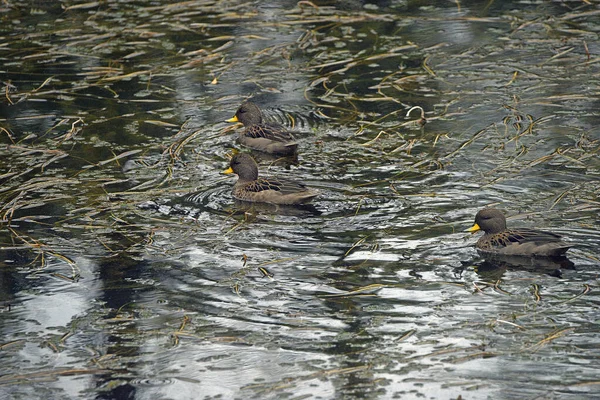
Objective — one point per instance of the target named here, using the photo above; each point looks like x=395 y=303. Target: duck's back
x=274 y=191
x=270 y=138
x=526 y=242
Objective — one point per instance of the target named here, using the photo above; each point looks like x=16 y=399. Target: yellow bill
x=234 y=119
x=473 y=229
x=228 y=171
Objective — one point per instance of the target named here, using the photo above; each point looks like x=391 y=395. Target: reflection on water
x=129 y=271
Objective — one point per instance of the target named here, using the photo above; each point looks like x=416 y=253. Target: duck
x=500 y=240
x=249 y=187
x=268 y=137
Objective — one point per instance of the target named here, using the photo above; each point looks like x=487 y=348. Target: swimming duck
x=514 y=242
x=249 y=187
x=263 y=136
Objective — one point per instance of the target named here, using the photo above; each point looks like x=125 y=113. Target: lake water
x=128 y=271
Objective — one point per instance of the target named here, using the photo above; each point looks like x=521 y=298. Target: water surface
x=129 y=271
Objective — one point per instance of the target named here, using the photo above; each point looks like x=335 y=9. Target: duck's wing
x=525 y=235
x=528 y=242
x=269 y=131
x=279 y=185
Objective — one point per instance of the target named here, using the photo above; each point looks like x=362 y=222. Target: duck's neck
x=253 y=119
x=250 y=173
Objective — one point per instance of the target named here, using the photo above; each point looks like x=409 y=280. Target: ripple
x=153 y=381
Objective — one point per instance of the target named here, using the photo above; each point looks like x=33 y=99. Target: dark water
x=128 y=271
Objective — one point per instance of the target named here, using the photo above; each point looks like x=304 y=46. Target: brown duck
x=514 y=242
x=250 y=187
x=263 y=136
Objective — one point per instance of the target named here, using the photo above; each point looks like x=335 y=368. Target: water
x=129 y=271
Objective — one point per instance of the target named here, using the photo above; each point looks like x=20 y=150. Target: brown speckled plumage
x=263 y=136
x=498 y=239
x=250 y=187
